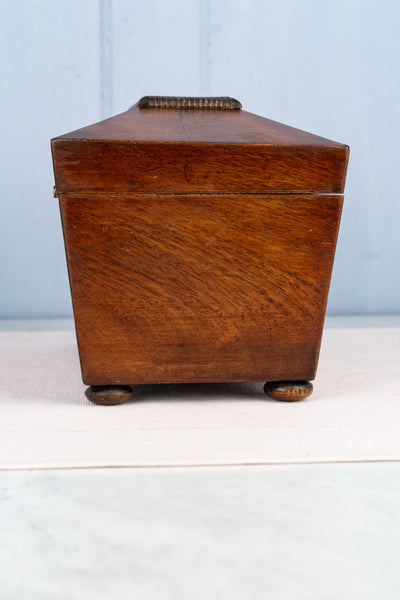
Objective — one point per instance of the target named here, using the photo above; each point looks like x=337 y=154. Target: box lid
x=203 y=145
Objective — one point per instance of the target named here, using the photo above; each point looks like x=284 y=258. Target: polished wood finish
x=197 y=126
x=288 y=391
x=201 y=287
x=205 y=151
x=109 y=395
x=200 y=246
x=190 y=102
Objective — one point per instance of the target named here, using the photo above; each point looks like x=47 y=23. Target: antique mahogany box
x=200 y=240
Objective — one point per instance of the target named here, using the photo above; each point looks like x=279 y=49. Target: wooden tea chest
x=200 y=240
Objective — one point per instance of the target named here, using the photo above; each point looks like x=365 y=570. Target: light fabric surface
x=46 y=421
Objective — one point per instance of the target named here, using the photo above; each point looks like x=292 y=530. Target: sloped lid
x=208 y=145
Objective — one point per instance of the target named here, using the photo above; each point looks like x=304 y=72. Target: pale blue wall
x=327 y=66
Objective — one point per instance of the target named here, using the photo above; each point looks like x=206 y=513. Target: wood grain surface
x=285 y=391
x=192 y=288
x=176 y=125
x=186 y=151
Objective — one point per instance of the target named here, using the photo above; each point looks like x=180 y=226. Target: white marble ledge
x=300 y=532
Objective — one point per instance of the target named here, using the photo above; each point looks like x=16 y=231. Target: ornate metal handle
x=218 y=102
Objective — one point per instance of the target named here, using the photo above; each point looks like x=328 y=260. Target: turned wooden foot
x=109 y=394
x=288 y=391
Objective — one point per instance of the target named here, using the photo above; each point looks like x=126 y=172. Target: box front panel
x=195 y=288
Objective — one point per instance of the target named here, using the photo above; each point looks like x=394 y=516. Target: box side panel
x=85 y=166
x=199 y=288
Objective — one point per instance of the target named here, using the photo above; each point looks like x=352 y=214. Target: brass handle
x=216 y=102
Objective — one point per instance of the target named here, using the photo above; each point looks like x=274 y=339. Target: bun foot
x=109 y=395
x=288 y=391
